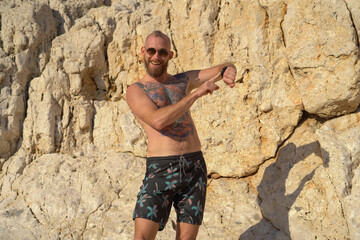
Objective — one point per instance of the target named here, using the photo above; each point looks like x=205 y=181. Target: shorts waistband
x=188 y=156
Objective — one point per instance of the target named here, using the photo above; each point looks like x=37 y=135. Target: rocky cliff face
x=282 y=147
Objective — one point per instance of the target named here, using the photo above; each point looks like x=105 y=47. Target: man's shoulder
x=188 y=75
x=134 y=88
x=139 y=83
x=179 y=77
x=142 y=86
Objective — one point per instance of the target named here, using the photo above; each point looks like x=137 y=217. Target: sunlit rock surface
x=282 y=146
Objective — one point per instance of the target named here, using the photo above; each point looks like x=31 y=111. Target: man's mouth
x=155 y=63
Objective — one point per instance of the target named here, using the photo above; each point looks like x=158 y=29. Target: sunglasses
x=162 y=52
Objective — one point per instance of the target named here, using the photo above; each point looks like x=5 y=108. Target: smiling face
x=156 y=55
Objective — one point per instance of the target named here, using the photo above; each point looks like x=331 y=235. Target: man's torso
x=179 y=137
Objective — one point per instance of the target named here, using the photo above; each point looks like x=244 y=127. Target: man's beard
x=157 y=72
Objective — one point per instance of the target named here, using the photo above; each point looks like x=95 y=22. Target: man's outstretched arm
x=198 y=77
x=158 y=118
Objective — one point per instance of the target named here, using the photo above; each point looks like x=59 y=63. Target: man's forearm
x=164 y=116
x=198 y=77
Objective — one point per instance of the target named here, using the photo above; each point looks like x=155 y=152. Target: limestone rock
x=62 y=197
x=66 y=12
x=340 y=138
x=28 y=27
x=26 y=34
x=276 y=169
x=231 y=209
x=92 y=196
x=354 y=10
x=242 y=127
x=352 y=207
x=64 y=94
x=115 y=127
x=325 y=60
x=316 y=165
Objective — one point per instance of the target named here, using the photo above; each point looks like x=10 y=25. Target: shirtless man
x=176 y=170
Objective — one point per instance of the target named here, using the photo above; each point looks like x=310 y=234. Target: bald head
x=159 y=34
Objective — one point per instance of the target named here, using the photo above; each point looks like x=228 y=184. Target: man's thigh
x=186 y=231
x=145 y=229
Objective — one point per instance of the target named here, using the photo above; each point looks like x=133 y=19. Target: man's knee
x=142 y=238
x=145 y=229
x=186 y=237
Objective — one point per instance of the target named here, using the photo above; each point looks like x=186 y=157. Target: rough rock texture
x=282 y=147
x=320 y=62
x=26 y=34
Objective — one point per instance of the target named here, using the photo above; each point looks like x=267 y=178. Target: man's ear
x=171 y=55
x=142 y=50
x=141 y=56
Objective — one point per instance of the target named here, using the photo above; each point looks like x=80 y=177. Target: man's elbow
x=158 y=124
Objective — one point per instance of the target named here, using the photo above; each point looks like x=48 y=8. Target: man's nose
x=156 y=55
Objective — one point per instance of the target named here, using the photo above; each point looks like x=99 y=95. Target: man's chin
x=156 y=72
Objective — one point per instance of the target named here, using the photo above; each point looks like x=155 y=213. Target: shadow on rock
x=275 y=203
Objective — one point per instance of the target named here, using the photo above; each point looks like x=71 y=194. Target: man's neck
x=163 y=78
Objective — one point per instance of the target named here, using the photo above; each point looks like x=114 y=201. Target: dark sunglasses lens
x=151 y=51
x=163 y=53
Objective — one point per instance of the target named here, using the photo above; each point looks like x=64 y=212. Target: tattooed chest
x=168 y=93
x=165 y=94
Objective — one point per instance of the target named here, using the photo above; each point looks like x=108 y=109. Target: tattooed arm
x=198 y=77
x=158 y=118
